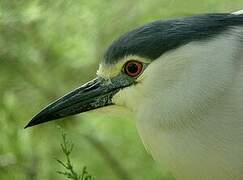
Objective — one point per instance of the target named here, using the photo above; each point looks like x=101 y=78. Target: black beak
x=94 y=94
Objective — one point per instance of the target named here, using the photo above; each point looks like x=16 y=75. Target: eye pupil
x=133 y=68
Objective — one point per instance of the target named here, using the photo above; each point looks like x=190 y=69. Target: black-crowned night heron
x=183 y=80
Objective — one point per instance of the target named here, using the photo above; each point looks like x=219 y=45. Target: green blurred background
x=48 y=47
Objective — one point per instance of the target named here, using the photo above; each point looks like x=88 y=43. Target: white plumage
x=189 y=108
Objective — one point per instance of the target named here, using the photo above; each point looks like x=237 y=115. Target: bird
x=182 y=79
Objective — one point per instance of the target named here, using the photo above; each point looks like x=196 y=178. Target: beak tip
x=26 y=126
x=38 y=119
x=30 y=124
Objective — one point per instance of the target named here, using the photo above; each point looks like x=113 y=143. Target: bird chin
x=114 y=111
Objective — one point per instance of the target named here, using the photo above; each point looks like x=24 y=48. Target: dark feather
x=154 y=39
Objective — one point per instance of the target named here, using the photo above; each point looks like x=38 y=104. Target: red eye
x=133 y=68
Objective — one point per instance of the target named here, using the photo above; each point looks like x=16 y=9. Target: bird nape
x=183 y=79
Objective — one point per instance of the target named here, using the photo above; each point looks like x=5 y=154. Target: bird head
x=140 y=63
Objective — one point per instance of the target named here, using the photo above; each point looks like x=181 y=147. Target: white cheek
x=128 y=97
x=119 y=98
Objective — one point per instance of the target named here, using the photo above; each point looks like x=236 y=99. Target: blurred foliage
x=48 y=47
x=69 y=171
